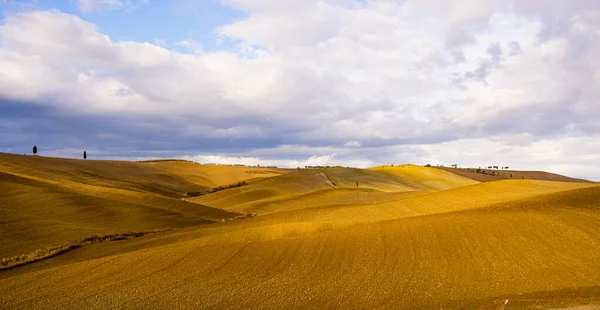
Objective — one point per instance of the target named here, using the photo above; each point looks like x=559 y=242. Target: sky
x=305 y=82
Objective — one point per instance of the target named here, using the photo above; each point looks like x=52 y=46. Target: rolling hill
x=486 y=175
x=49 y=201
x=406 y=237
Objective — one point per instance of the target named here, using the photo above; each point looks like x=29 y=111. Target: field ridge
x=38 y=255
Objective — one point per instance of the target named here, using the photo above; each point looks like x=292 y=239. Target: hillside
x=406 y=237
x=168 y=178
x=424 y=178
x=486 y=175
x=308 y=188
x=311 y=188
x=49 y=201
x=350 y=177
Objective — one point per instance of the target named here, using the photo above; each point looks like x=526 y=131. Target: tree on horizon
x=34 y=150
x=84 y=155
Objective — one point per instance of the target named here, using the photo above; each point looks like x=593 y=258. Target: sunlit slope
x=332 y=197
x=406 y=237
x=35 y=214
x=50 y=201
x=424 y=178
x=280 y=187
x=214 y=175
x=538 y=245
x=301 y=219
x=167 y=178
x=312 y=188
x=364 y=178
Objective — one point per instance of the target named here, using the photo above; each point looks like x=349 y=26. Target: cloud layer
x=373 y=82
x=95 y=5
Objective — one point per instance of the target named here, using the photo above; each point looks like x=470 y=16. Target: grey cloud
x=28 y=124
x=380 y=75
x=515 y=48
x=495 y=51
x=494 y=56
x=558 y=17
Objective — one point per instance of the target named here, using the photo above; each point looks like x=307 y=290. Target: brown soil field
x=407 y=237
x=486 y=175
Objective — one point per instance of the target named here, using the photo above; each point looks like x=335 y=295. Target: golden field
x=406 y=237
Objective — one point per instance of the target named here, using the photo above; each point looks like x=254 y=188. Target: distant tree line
x=487 y=171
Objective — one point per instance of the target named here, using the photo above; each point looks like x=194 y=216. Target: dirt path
x=327 y=179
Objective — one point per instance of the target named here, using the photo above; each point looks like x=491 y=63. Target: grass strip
x=216 y=189
x=37 y=255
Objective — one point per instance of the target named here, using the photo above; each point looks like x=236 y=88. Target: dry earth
x=486 y=175
x=405 y=237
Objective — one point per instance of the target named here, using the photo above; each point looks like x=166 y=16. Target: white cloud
x=377 y=76
x=572 y=156
x=323 y=160
x=576 y=157
x=394 y=75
